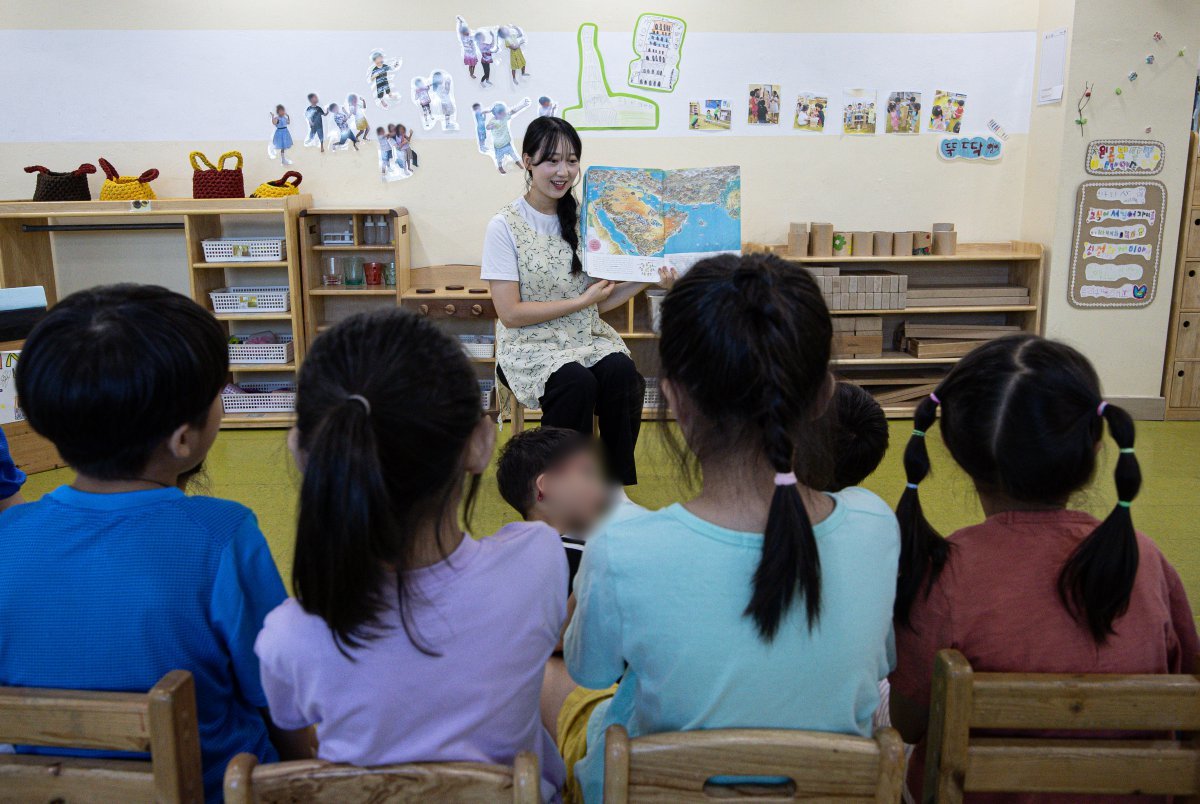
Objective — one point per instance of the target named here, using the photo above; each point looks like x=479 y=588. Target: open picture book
x=637 y=220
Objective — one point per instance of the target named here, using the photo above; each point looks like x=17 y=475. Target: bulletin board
x=1117 y=244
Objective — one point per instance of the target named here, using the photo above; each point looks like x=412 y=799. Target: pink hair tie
x=935 y=399
x=1100 y=408
x=785 y=479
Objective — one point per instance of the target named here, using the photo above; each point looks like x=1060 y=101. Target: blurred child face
x=555 y=175
x=378 y=61
x=574 y=494
x=312 y=99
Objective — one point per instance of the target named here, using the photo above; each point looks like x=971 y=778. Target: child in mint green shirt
x=760 y=603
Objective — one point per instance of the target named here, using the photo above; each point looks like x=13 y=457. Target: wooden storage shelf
x=966 y=252
x=371 y=290
x=1181 y=375
x=26 y=258
x=377 y=247
x=893 y=358
x=236 y=421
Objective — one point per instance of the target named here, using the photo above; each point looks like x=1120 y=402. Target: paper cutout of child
x=498 y=128
x=316 y=122
x=380 y=76
x=281 y=140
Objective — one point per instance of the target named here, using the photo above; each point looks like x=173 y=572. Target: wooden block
x=820 y=240
x=882 y=243
x=922 y=242
x=848 y=345
x=945 y=243
x=905 y=394
x=868 y=324
x=943 y=227
x=939 y=292
x=797 y=242
x=957 y=331
x=918 y=347
x=864 y=244
x=902 y=244
x=847 y=241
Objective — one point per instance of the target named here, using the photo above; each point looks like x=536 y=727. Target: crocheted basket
x=68 y=186
x=217 y=181
x=126 y=188
x=280 y=187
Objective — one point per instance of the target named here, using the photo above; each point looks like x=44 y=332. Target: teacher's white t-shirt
x=500 y=247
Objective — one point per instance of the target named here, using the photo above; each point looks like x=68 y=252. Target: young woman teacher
x=553 y=350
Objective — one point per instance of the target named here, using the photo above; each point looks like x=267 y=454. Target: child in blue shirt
x=11 y=478
x=118 y=578
x=762 y=602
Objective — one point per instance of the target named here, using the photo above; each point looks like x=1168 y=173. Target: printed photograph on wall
x=493 y=131
x=903 y=113
x=658 y=42
x=434 y=96
x=512 y=37
x=314 y=115
x=764 y=105
x=858 y=111
x=709 y=115
x=383 y=73
x=946 y=114
x=809 y=114
x=397 y=159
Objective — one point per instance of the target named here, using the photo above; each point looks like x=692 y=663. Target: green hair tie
x=1124 y=503
x=919 y=433
x=1127 y=450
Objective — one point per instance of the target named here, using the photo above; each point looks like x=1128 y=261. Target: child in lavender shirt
x=408 y=640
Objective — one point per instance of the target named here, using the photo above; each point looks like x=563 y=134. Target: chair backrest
x=317 y=782
x=161 y=722
x=1152 y=764
x=678 y=766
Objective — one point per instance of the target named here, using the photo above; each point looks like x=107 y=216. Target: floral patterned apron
x=529 y=355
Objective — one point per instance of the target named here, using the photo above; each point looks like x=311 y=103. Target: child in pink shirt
x=408 y=640
x=1036 y=587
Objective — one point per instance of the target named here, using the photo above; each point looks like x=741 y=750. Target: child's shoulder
x=857 y=500
x=288 y=627
x=532 y=537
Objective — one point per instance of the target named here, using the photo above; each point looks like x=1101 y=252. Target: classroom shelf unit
x=325 y=305
x=27 y=258
x=1181 y=375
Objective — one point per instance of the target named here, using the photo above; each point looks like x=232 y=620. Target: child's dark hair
x=1022 y=415
x=112 y=371
x=745 y=341
x=543 y=137
x=533 y=453
x=311 y=96
x=383 y=436
x=859 y=434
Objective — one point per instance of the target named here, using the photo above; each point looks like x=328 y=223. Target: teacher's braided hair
x=1022 y=415
x=745 y=342
x=543 y=137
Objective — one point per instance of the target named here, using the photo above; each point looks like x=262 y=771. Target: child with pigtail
x=1037 y=587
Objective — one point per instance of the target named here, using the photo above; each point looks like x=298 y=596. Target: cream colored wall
x=1126 y=345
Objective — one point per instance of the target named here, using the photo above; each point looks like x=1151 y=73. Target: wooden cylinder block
x=943 y=227
x=863 y=244
x=902 y=244
x=945 y=242
x=883 y=243
x=820 y=240
x=797 y=242
x=922 y=242
x=843 y=244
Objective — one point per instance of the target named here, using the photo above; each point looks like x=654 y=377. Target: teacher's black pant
x=613 y=392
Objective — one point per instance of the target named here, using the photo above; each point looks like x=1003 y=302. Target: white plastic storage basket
x=479 y=345
x=251 y=300
x=653 y=395
x=485 y=390
x=261 y=397
x=243 y=249
x=282 y=352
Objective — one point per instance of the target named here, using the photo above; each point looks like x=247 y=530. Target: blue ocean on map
x=709 y=227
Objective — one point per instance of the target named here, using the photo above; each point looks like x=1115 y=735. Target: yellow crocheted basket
x=283 y=186
x=126 y=188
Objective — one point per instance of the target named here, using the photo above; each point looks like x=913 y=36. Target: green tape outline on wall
x=577 y=111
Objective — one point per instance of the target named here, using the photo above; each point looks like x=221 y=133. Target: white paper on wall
x=1053 y=67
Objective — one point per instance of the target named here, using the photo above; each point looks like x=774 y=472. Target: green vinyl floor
x=254 y=468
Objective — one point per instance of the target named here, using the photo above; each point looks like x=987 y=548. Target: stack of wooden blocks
x=947 y=340
x=857 y=336
x=975 y=296
x=860 y=290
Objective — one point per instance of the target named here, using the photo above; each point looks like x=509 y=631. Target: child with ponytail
x=761 y=602
x=1037 y=587
x=408 y=640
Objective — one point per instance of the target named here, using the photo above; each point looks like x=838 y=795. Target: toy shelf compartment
x=261 y=397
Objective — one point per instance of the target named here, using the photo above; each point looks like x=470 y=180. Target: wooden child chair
x=676 y=766
x=317 y=782
x=161 y=722
x=1154 y=764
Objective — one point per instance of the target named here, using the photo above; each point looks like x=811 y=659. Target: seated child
x=859 y=437
x=408 y=640
x=113 y=581
x=553 y=475
x=761 y=602
x=1037 y=587
x=11 y=478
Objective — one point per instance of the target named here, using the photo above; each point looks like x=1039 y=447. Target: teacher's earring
x=541 y=497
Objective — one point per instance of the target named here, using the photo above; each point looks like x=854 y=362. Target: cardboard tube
x=863 y=244
x=945 y=242
x=882 y=243
x=820 y=241
x=922 y=242
x=843 y=244
x=797 y=242
x=943 y=227
x=902 y=244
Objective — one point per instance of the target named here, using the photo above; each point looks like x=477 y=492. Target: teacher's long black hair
x=545 y=137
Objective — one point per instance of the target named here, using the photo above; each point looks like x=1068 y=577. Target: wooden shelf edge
x=245 y=421
x=384 y=247
x=365 y=291
x=244 y=367
x=251 y=264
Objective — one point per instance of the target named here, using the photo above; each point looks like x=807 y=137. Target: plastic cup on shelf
x=373 y=272
x=389 y=275
x=354 y=272
x=331 y=273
